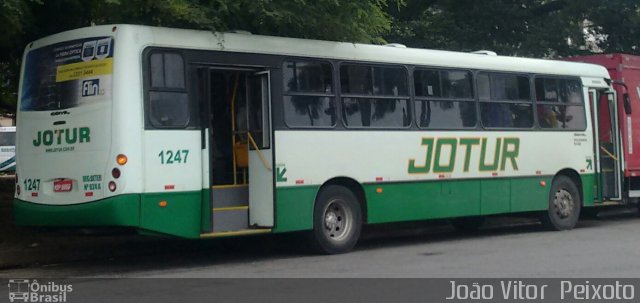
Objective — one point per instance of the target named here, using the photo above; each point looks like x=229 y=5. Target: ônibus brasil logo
x=31 y=291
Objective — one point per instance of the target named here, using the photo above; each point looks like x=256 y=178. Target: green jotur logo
x=62 y=136
x=506 y=152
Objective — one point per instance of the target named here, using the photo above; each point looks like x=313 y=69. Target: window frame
x=148 y=88
x=530 y=100
x=334 y=95
x=583 y=103
x=473 y=99
x=408 y=97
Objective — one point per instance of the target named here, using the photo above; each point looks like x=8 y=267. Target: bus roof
x=249 y=43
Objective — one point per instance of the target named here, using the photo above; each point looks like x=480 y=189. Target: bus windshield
x=67 y=74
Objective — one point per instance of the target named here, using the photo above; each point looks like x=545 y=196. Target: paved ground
x=604 y=247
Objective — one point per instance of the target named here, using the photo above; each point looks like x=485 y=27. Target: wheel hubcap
x=337 y=220
x=563 y=202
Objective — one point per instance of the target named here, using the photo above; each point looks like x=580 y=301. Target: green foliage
x=342 y=20
x=535 y=28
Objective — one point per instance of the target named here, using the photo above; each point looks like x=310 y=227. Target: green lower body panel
x=187 y=214
x=294 y=208
x=411 y=201
x=589 y=189
x=179 y=217
x=123 y=210
x=393 y=202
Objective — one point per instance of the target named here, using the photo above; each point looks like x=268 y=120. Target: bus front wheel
x=337 y=220
x=564 y=205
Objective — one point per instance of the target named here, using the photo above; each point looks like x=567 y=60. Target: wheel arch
x=354 y=186
x=575 y=177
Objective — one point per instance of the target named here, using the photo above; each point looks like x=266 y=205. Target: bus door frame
x=261 y=178
x=261 y=175
x=594 y=96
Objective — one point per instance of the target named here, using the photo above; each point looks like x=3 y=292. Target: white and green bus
x=199 y=134
x=7 y=149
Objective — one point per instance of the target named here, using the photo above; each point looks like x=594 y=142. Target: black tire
x=565 y=203
x=467 y=224
x=337 y=221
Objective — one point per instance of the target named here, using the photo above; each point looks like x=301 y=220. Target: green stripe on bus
x=294 y=208
x=436 y=199
x=180 y=217
x=123 y=210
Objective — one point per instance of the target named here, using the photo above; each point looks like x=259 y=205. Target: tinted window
x=309 y=111
x=484 y=87
x=361 y=112
x=7 y=138
x=168 y=105
x=552 y=94
x=456 y=84
x=427 y=83
x=547 y=90
x=373 y=80
x=509 y=87
x=561 y=117
x=167 y=70
x=58 y=76
x=169 y=109
x=434 y=91
x=309 y=98
x=505 y=100
x=506 y=115
x=300 y=76
x=445 y=114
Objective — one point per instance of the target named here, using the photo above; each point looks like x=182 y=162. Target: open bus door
x=261 y=182
x=237 y=134
x=607 y=149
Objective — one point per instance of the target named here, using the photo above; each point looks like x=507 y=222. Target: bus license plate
x=62 y=186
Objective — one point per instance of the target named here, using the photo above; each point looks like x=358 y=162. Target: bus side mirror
x=627 y=103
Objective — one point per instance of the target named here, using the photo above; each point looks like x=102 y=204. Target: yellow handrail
x=608 y=153
x=233 y=128
x=255 y=146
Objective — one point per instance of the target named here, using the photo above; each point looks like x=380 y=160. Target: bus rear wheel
x=337 y=220
x=564 y=205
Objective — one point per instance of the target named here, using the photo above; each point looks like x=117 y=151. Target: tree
x=533 y=28
x=341 y=20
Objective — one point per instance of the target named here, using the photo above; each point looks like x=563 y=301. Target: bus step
x=243 y=232
x=230 y=218
x=229 y=196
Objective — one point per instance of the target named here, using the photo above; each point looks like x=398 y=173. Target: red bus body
x=626 y=69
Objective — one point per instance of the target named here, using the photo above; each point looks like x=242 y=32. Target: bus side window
x=309 y=97
x=444 y=99
x=560 y=104
x=509 y=102
x=168 y=105
x=374 y=96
